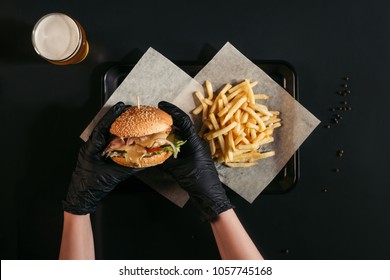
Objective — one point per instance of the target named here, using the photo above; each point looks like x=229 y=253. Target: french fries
x=235 y=125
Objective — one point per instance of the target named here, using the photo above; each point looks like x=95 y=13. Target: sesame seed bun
x=138 y=122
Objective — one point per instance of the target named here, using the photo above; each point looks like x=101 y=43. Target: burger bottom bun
x=144 y=162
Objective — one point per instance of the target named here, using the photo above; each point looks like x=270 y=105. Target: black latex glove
x=194 y=168
x=95 y=176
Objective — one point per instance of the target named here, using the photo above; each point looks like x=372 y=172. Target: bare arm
x=195 y=171
x=77 y=238
x=232 y=239
x=93 y=178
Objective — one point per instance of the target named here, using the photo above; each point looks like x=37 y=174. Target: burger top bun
x=142 y=121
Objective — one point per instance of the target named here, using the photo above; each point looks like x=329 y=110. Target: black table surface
x=327 y=215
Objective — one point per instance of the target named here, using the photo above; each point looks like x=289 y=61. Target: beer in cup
x=60 y=39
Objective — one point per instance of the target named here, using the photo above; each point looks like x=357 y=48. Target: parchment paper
x=231 y=66
x=155 y=78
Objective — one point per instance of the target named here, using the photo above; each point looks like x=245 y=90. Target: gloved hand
x=95 y=176
x=194 y=168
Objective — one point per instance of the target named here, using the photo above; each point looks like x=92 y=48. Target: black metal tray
x=279 y=71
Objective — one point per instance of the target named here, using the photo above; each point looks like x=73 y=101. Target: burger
x=142 y=136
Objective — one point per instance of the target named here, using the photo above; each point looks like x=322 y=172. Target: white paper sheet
x=231 y=66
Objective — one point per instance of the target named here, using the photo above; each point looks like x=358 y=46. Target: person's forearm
x=232 y=239
x=77 y=238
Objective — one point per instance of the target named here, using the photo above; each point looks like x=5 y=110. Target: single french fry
x=269 y=131
x=239 y=139
x=251 y=98
x=243 y=106
x=266 y=154
x=237 y=129
x=199 y=96
x=275 y=124
x=231 y=145
x=212 y=147
x=221 y=95
x=240 y=164
x=244 y=117
x=259 y=137
x=272 y=121
x=229 y=156
x=204 y=111
x=221 y=131
x=252 y=156
x=265 y=118
x=252 y=120
x=265 y=140
x=229 y=105
x=258 y=119
x=245 y=156
x=220 y=106
x=233 y=109
x=225 y=109
x=214 y=121
x=237 y=115
x=207 y=101
x=248 y=147
x=234 y=94
x=214 y=107
x=261 y=108
x=221 y=92
x=208 y=124
x=221 y=142
x=225 y=89
x=224 y=99
x=198 y=110
x=251 y=125
x=253 y=133
x=245 y=141
x=209 y=90
x=240 y=85
x=261 y=96
x=240 y=152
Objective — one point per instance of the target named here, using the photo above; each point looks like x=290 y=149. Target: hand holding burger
x=95 y=176
x=194 y=168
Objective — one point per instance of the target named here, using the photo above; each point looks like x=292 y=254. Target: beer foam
x=56 y=37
